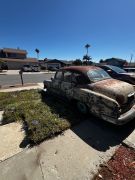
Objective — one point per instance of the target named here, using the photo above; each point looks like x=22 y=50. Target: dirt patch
x=120 y=167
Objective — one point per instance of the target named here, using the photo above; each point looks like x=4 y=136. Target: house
x=13 y=64
x=13 y=53
x=47 y=63
x=16 y=58
x=115 y=62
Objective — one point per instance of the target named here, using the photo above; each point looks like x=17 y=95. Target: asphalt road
x=27 y=78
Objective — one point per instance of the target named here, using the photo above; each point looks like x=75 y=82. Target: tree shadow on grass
x=99 y=134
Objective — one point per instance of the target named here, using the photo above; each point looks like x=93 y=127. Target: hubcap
x=82 y=107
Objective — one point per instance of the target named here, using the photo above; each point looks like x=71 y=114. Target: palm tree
x=37 y=51
x=87 y=60
x=87 y=47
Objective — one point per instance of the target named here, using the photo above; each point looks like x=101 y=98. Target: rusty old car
x=94 y=91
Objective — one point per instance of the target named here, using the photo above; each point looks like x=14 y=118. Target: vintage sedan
x=94 y=91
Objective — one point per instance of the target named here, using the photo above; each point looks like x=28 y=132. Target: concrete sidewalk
x=11 y=136
x=75 y=155
x=68 y=156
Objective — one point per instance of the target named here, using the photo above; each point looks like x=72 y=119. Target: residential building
x=113 y=61
x=47 y=63
x=13 y=53
x=16 y=58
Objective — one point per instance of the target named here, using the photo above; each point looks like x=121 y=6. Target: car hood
x=115 y=89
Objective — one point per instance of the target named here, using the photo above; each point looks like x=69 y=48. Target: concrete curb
x=130 y=140
x=17 y=73
x=17 y=85
x=1 y=116
x=12 y=89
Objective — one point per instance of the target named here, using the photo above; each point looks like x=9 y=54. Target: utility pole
x=131 y=57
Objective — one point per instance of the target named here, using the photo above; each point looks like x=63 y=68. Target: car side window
x=59 y=75
x=67 y=76
x=78 y=78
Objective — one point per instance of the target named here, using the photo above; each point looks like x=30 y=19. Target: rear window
x=117 y=69
x=97 y=75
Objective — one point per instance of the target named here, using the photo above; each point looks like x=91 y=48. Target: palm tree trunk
x=87 y=51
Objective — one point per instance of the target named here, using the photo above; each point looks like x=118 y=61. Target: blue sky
x=61 y=28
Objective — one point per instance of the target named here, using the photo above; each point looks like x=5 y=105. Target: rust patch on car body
x=113 y=88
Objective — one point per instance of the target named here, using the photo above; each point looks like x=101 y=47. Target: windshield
x=117 y=69
x=97 y=75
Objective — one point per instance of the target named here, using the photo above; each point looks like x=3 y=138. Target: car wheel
x=82 y=107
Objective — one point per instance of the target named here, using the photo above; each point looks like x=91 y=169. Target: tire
x=82 y=107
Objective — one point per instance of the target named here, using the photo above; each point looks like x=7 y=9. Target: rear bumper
x=126 y=117
x=123 y=119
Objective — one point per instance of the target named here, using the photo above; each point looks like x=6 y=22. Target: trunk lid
x=120 y=91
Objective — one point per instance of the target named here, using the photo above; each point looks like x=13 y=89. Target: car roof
x=80 y=68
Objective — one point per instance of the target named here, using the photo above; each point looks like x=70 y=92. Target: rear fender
x=98 y=103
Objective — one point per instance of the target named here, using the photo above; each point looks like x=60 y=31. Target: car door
x=56 y=82
x=67 y=84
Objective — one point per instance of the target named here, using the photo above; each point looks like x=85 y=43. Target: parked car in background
x=129 y=69
x=27 y=68
x=120 y=74
x=91 y=89
x=35 y=68
x=31 y=68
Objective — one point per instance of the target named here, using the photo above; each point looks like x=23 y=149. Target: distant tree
x=45 y=59
x=37 y=51
x=77 y=62
x=86 y=60
x=86 y=63
x=101 y=61
x=3 y=65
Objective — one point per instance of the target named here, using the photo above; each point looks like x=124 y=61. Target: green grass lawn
x=44 y=115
